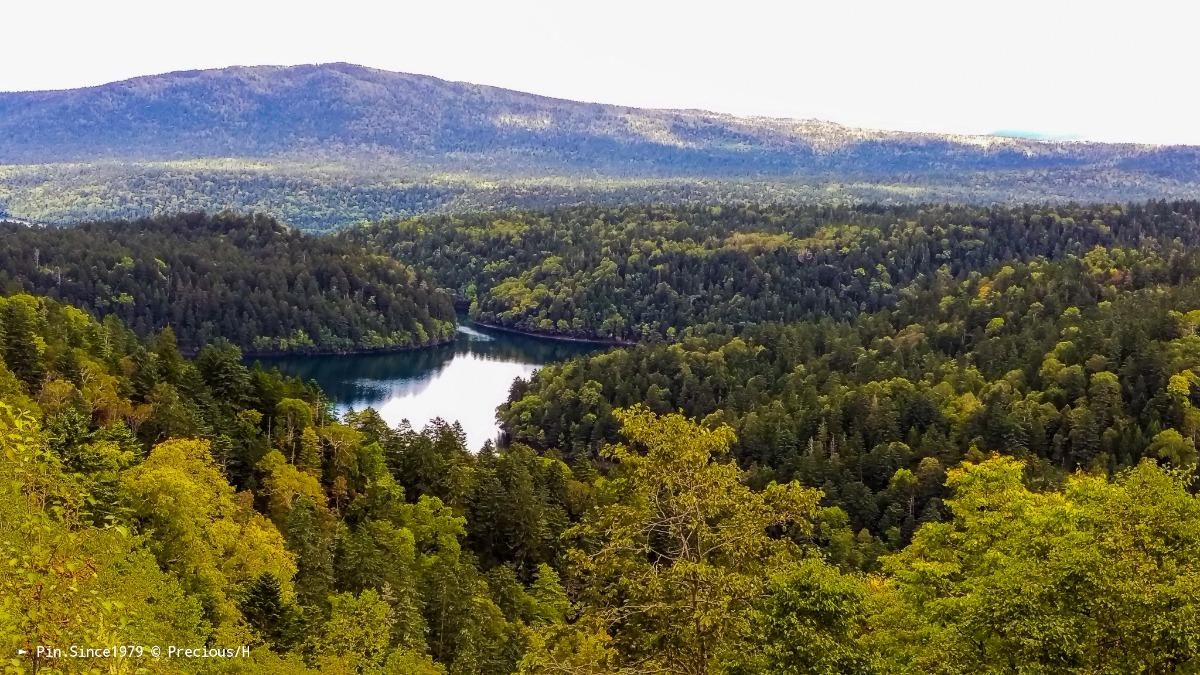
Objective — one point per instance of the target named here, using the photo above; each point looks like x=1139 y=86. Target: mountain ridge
x=348 y=68
x=324 y=145
x=269 y=110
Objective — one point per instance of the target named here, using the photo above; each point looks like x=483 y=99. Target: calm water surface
x=462 y=381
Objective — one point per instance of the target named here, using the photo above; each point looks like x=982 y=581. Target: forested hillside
x=657 y=273
x=246 y=279
x=1084 y=363
x=153 y=500
x=921 y=440
x=330 y=109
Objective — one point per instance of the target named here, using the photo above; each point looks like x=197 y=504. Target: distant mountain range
x=125 y=146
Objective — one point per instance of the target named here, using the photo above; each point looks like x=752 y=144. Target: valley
x=360 y=372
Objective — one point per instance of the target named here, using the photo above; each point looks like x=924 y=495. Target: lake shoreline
x=464 y=381
x=353 y=351
x=551 y=336
x=463 y=321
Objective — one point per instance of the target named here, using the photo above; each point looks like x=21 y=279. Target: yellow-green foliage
x=200 y=530
x=1101 y=577
x=671 y=561
x=63 y=582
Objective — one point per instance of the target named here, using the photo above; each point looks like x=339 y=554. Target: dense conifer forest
x=246 y=279
x=656 y=273
x=882 y=440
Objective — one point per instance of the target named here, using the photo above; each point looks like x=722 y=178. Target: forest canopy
x=656 y=273
x=973 y=451
x=245 y=279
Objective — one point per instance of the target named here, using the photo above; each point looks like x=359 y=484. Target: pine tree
x=307 y=533
x=264 y=609
x=18 y=319
x=552 y=605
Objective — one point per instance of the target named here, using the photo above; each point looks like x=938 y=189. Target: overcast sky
x=1101 y=70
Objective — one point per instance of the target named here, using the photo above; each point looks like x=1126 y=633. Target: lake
x=464 y=380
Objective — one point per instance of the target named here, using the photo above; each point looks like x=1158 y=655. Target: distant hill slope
x=382 y=126
x=341 y=108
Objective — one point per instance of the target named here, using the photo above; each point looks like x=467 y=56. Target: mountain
x=371 y=128
x=342 y=108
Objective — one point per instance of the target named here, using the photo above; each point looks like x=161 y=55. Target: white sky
x=1102 y=70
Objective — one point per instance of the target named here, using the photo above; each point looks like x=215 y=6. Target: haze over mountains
x=323 y=145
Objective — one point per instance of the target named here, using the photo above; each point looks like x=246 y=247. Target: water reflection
x=463 y=381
